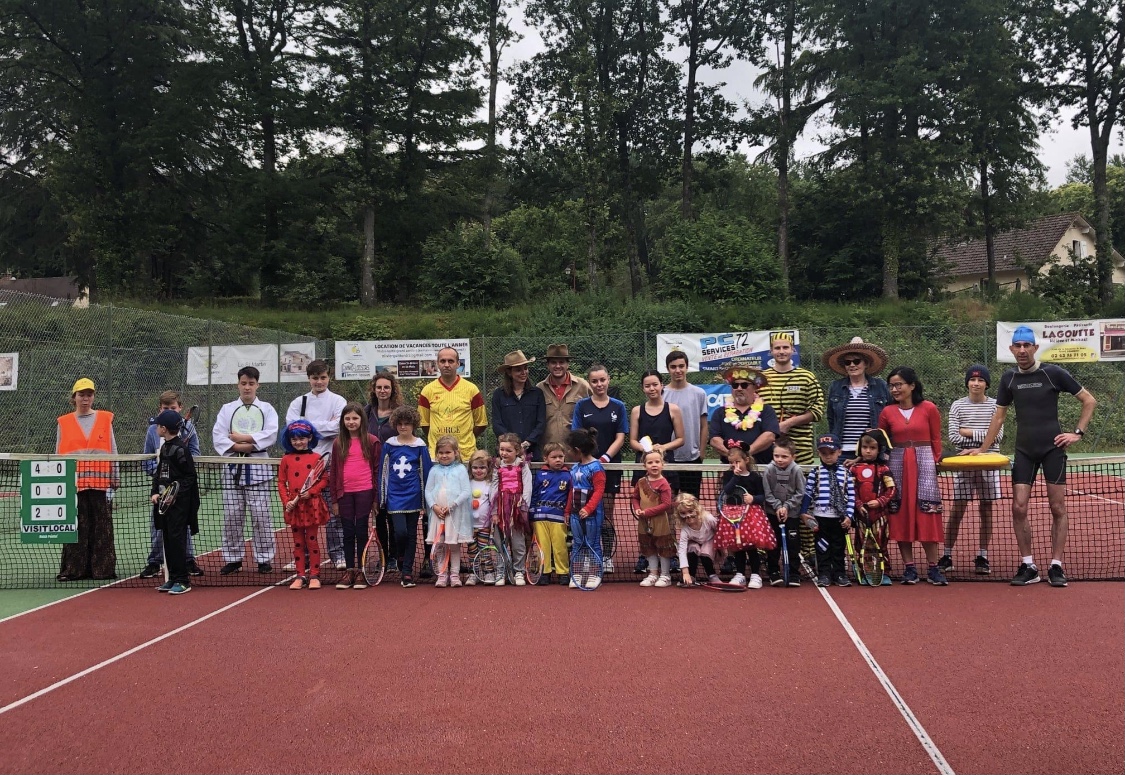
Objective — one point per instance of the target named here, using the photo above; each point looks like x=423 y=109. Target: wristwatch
x=1079 y=432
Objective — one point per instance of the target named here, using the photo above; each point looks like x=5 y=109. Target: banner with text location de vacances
x=712 y=352
x=1068 y=341
x=219 y=365
x=405 y=358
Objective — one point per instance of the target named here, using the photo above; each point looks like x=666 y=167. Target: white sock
x=983 y=553
x=1027 y=560
x=1057 y=562
x=945 y=551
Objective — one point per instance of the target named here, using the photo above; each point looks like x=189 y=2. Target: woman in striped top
x=856 y=400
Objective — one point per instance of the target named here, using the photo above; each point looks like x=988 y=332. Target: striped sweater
x=791 y=393
x=976 y=417
x=818 y=493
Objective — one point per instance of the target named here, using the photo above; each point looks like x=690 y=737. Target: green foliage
x=459 y=269
x=1072 y=288
x=362 y=328
x=723 y=259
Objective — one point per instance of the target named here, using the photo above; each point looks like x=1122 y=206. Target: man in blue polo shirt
x=1033 y=388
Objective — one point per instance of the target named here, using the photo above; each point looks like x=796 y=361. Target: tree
x=1083 y=49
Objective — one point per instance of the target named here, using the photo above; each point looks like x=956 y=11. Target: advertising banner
x=405 y=358
x=1068 y=341
x=223 y=362
x=9 y=370
x=713 y=352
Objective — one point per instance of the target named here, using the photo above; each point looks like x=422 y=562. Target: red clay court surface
x=621 y=680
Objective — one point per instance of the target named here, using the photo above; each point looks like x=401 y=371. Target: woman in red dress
x=914 y=426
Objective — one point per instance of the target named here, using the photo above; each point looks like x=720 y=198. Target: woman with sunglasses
x=856 y=400
x=744 y=417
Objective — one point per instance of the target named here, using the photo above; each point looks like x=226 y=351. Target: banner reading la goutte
x=1068 y=341
x=714 y=352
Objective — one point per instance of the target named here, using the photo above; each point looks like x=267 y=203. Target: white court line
x=128 y=653
x=912 y=721
x=68 y=597
x=1091 y=495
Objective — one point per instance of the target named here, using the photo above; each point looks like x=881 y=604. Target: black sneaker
x=427 y=571
x=841 y=580
x=265 y=567
x=544 y=580
x=407 y=582
x=728 y=568
x=641 y=565
x=150 y=571
x=775 y=579
x=229 y=568
x=1027 y=574
x=674 y=566
x=981 y=566
x=193 y=569
x=823 y=581
x=794 y=580
x=1055 y=576
x=945 y=564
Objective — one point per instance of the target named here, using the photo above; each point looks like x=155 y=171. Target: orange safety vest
x=72 y=441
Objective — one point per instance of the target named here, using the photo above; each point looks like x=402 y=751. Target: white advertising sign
x=223 y=362
x=713 y=352
x=1068 y=341
x=405 y=358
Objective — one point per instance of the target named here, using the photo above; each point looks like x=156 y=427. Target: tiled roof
x=1034 y=243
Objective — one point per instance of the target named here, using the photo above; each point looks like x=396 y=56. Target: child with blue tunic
x=404 y=465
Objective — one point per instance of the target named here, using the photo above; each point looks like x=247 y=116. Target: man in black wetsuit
x=1034 y=389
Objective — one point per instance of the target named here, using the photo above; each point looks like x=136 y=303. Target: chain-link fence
x=134 y=355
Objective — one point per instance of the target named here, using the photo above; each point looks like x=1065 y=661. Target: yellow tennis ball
x=476 y=493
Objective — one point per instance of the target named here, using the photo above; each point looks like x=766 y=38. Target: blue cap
x=1023 y=334
x=170 y=419
x=828 y=441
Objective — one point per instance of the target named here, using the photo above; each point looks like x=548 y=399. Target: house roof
x=55 y=287
x=1035 y=243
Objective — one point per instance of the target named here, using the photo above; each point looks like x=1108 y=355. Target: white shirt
x=263 y=439
x=323 y=413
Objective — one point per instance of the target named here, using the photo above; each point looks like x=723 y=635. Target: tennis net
x=1095 y=490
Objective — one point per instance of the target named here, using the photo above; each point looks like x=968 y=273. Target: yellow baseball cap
x=83 y=384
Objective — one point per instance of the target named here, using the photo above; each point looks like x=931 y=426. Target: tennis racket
x=808 y=565
x=168 y=497
x=489 y=562
x=373 y=562
x=439 y=554
x=533 y=562
x=721 y=586
x=248 y=419
x=501 y=545
x=316 y=474
x=849 y=548
x=784 y=553
x=733 y=508
x=871 y=560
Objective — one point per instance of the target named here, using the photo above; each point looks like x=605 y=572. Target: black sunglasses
x=742 y=385
x=853 y=361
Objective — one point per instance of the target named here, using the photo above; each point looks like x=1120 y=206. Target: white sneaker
x=472 y=581
x=738 y=579
x=649 y=580
x=290 y=566
x=341 y=564
x=593 y=583
x=607 y=566
x=572 y=584
x=714 y=578
x=490 y=578
x=500 y=580
x=755 y=581
x=663 y=581
x=519 y=582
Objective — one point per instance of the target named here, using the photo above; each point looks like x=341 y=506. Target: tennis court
x=245 y=675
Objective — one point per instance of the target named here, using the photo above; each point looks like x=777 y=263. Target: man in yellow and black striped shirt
x=796 y=396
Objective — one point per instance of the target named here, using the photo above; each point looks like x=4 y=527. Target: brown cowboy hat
x=875 y=356
x=514 y=358
x=737 y=370
x=558 y=351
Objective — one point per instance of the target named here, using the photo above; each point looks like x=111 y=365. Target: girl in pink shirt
x=355 y=460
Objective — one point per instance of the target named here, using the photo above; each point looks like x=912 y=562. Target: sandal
x=298 y=583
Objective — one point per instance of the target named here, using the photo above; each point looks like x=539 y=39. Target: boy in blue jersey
x=404 y=465
x=553 y=486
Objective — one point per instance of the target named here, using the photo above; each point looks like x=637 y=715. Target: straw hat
x=875 y=356
x=736 y=370
x=514 y=358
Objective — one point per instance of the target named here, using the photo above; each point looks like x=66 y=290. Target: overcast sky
x=1057 y=147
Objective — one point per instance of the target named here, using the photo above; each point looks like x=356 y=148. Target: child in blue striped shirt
x=830 y=501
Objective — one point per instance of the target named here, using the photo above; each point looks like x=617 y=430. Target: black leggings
x=740 y=558
x=694 y=561
x=386 y=533
x=355 y=509
x=406 y=539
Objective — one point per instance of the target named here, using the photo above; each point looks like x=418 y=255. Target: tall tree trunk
x=687 y=171
x=785 y=142
x=490 y=144
x=989 y=228
x=270 y=273
x=1099 y=144
x=891 y=251
x=367 y=277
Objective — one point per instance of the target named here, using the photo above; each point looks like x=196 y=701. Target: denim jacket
x=878 y=396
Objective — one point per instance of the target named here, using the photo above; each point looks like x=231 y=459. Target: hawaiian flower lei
x=730 y=415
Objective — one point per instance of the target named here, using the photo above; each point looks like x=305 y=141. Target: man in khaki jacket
x=561 y=390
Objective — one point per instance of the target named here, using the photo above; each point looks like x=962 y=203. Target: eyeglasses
x=740 y=385
x=896 y=385
x=853 y=361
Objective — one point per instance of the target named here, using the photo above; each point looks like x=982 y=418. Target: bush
x=459 y=271
x=726 y=260
x=362 y=328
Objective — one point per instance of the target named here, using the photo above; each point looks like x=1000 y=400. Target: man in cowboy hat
x=744 y=417
x=856 y=399
x=561 y=391
x=451 y=405
x=795 y=394
x=516 y=406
